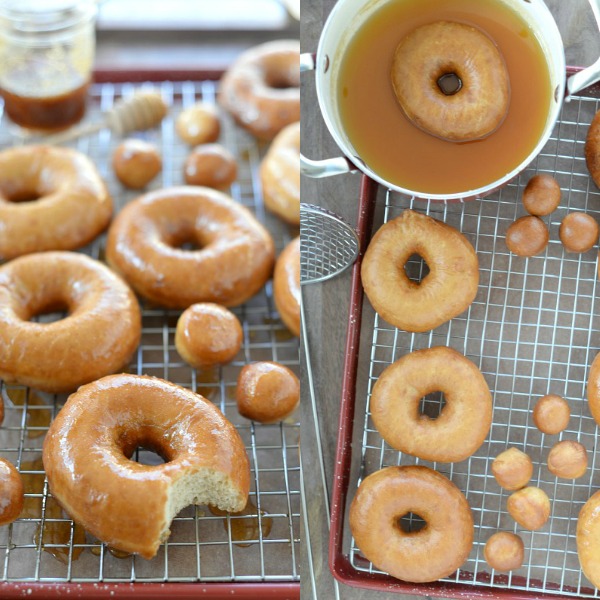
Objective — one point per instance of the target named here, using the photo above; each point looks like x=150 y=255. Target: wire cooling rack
x=261 y=546
x=533 y=329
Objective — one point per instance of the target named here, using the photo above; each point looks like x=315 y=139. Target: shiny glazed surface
x=234 y=260
x=447 y=290
x=87 y=449
x=198 y=124
x=211 y=165
x=50 y=199
x=588 y=539
x=429 y=554
x=280 y=175
x=592 y=149
x=261 y=89
x=97 y=337
x=136 y=163
x=593 y=389
x=11 y=492
x=464 y=421
x=286 y=286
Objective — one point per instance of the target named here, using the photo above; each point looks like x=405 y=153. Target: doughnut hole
x=527 y=236
x=529 y=507
x=541 y=195
x=512 y=469
x=267 y=392
x=551 y=414
x=578 y=232
x=32 y=189
x=504 y=551
x=136 y=163
x=410 y=523
x=210 y=165
x=416 y=268
x=568 y=460
x=432 y=405
x=198 y=124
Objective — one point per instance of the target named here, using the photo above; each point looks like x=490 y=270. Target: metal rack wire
x=533 y=329
x=260 y=546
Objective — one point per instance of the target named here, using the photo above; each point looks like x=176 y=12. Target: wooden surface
x=326 y=304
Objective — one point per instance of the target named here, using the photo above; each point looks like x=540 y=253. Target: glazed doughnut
x=551 y=414
x=451 y=81
x=198 y=124
x=136 y=163
x=433 y=552
x=261 y=89
x=280 y=175
x=592 y=149
x=504 y=551
x=286 y=286
x=453 y=272
x=87 y=453
x=207 y=335
x=211 y=165
x=512 y=469
x=234 y=259
x=529 y=507
x=578 y=232
x=527 y=236
x=541 y=195
x=568 y=459
x=11 y=492
x=267 y=392
x=588 y=539
x=593 y=389
x=465 y=420
x=97 y=337
x=50 y=199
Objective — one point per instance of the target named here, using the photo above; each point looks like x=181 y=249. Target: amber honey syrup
x=408 y=157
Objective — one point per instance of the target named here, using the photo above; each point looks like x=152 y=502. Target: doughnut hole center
x=279 y=79
x=49 y=312
x=147 y=456
x=184 y=239
x=449 y=83
x=416 y=268
x=20 y=194
x=143 y=447
x=410 y=523
x=432 y=405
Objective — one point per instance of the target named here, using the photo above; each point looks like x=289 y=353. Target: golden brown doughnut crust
x=286 y=286
x=527 y=236
x=261 y=89
x=211 y=165
x=72 y=207
x=592 y=149
x=578 y=232
x=529 y=507
x=447 y=291
x=504 y=551
x=431 y=51
x=99 y=335
x=208 y=334
x=280 y=175
x=136 y=163
x=435 y=551
x=588 y=539
x=465 y=420
x=568 y=459
x=87 y=449
x=541 y=195
x=551 y=414
x=593 y=389
x=11 y=492
x=512 y=469
x=234 y=261
x=198 y=124
x=267 y=392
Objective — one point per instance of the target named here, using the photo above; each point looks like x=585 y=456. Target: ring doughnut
x=453 y=272
x=50 y=199
x=451 y=81
x=286 y=286
x=11 y=492
x=280 y=175
x=97 y=337
x=87 y=457
x=234 y=259
x=593 y=389
x=463 y=423
x=433 y=552
x=588 y=539
x=261 y=89
x=592 y=149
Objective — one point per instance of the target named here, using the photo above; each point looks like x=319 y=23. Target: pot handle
x=330 y=166
x=591 y=74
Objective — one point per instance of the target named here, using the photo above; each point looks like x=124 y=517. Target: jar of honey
x=46 y=59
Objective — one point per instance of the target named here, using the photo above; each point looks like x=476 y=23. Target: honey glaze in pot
x=398 y=151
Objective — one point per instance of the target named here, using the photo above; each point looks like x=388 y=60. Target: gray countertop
x=326 y=305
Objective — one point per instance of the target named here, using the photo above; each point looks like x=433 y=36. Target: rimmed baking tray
x=207 y=554
x=532 y=329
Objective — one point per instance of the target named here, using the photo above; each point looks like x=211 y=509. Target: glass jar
x=46 y=60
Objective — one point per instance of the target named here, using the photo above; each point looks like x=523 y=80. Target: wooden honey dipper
x=141 y=111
